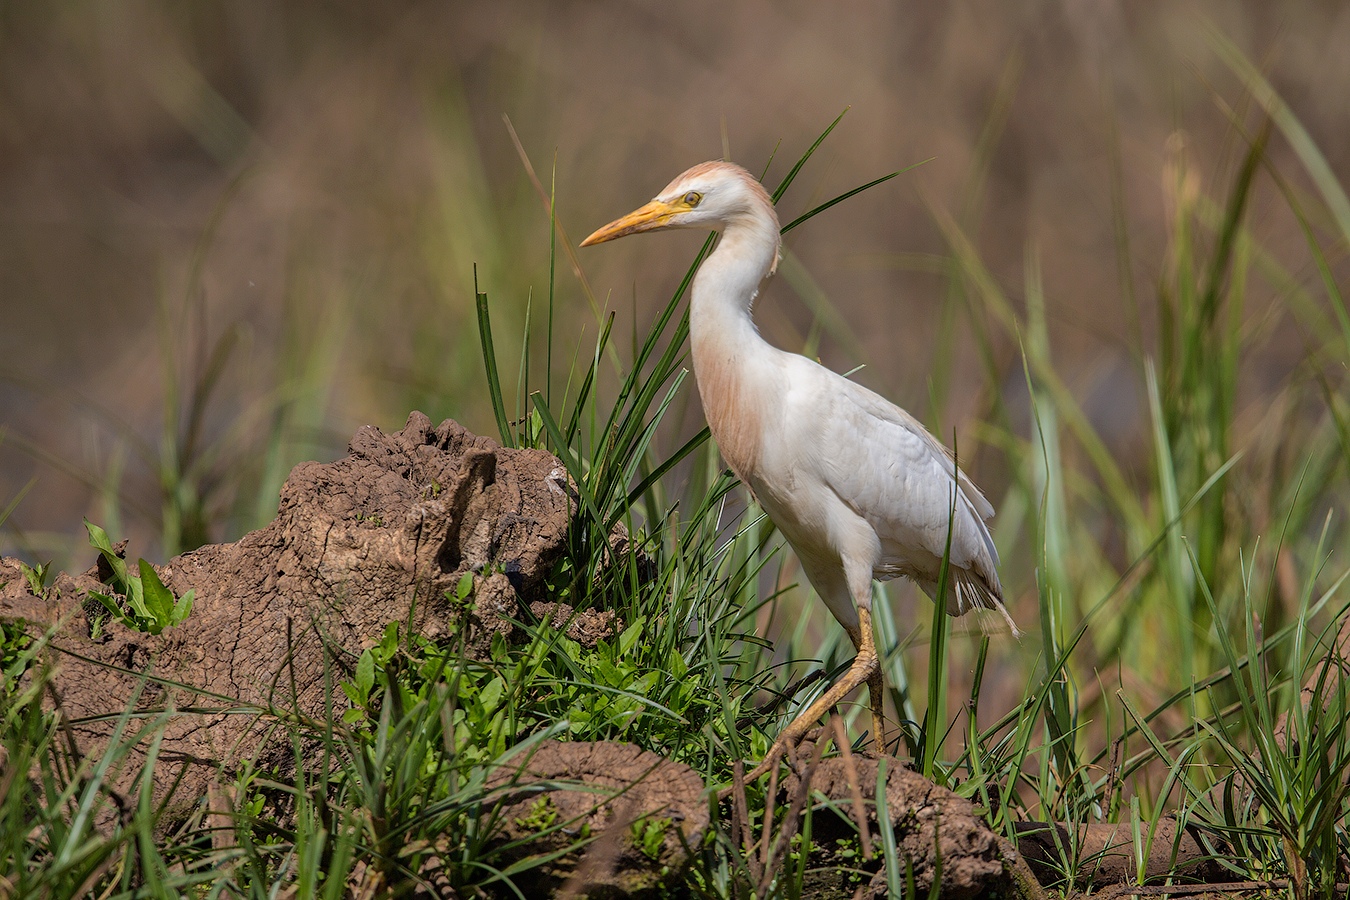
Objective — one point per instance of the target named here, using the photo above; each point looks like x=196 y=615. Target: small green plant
x=649 y=835
x=363 y=684
x=541 y=816
x=463 y=592
x=142 y=602
x=37 y=577
x=15 y=656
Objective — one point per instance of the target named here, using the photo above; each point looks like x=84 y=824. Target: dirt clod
x=378 y=536
x=1106 y=853
x=588 y=627
x=930 y=824
x=624 y=814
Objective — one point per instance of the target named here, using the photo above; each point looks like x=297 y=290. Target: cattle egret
x=857 y=486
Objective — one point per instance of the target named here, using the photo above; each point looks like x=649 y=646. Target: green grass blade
x=1177 y=570
x=792 y=173
x=1308 y=152
x=490 y=364
x=817 y=210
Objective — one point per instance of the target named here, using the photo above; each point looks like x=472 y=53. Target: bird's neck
x=726 y=284
x=729 y=355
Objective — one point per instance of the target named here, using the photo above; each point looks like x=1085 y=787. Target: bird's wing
x=881 y=462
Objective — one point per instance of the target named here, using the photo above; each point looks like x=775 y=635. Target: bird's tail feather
x=966 y=591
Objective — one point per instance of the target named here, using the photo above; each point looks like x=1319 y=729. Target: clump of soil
x=1106 y=852
x=621 y=818
x=940 y=834
x=587 y=627
x=378 y=536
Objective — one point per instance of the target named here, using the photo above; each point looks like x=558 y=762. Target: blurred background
x=231 y=233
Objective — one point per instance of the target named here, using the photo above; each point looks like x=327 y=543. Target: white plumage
x=857 y=486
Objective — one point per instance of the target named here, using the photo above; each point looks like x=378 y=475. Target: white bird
x=857 y=486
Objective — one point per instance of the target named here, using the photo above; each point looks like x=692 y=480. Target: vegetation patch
x=461 y=666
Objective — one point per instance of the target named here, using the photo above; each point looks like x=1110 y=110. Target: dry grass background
x=318 y=180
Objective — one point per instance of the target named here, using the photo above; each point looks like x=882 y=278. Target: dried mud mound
x=939 y=834
x=376 y=537
x=619 y=819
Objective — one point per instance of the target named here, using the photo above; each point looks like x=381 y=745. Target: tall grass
x=1184 y=652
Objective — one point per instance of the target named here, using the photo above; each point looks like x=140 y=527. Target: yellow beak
x=654 y=215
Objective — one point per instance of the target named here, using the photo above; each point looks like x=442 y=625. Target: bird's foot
x=866 y=669
x=798 y=732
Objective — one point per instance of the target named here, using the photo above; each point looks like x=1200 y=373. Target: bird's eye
x=692 y=198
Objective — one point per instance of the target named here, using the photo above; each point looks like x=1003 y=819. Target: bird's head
x=711 y=195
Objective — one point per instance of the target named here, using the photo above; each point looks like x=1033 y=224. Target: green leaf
x=135 y=594
x=676 y=665
x=158 y=600
x=792 y=173
x=98 y=539
x=609 y=674
x=570 y=648
x=182 y=608
x=890 y=848
x=389 y=643
x=491 y=695
x=630 y=636
x=365 y=675
x=36 y=576
x=113 y=607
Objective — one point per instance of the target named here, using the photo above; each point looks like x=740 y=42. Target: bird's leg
x=876 y=683
x=876 y=686
x=866 y=668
